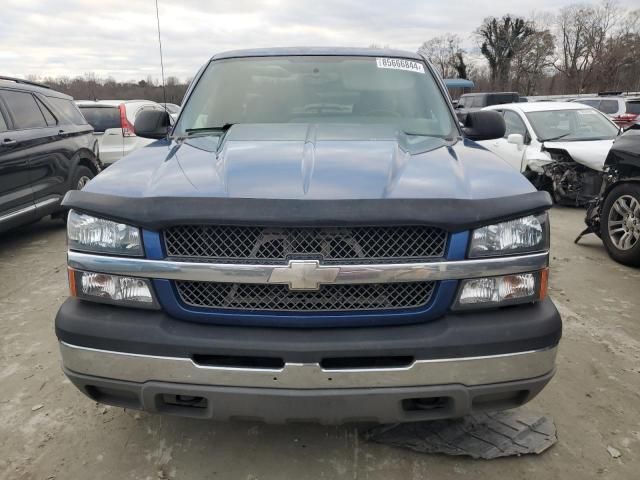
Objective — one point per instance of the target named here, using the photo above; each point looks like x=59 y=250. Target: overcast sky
x=118 y=38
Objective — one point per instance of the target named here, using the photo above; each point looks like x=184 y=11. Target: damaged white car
x=559 y=146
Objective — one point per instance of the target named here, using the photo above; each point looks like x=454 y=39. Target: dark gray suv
x=46 y=149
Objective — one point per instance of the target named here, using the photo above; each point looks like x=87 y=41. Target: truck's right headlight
x=522 y=235
x=87 y=233
x=114 y=289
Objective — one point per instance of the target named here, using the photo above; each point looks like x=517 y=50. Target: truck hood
x=301 y=161
x=591 y=154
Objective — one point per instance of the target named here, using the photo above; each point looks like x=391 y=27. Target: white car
x=113 y=123
x=559 y=146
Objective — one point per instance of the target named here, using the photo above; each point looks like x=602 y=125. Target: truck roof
x=317 y=51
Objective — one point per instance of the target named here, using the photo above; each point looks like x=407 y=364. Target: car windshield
x=318 y=89
x=572 y=125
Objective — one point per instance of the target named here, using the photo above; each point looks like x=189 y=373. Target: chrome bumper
x=469 y=371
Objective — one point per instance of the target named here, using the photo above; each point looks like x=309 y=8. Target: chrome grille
x=238 y=244
x=244 y=296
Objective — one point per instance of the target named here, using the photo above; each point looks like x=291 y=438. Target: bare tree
x=536 y=58
x=616 y=65
x=445 y=53
x=460 y=66
x=583 y=33
x=502 y=39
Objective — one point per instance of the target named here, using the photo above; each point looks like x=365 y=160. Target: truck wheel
x=620 y=224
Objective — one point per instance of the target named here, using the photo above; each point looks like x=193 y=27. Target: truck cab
x=317 y=238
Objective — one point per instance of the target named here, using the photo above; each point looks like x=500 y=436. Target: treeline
x=90 y=87
x=581 y=49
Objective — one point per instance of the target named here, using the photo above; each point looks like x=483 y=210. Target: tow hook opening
x=426 y=404
x=184 y=401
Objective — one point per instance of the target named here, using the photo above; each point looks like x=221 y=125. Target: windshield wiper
x=555 y=138
x=216 y=129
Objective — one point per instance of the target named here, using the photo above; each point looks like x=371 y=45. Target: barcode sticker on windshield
x=400 y=64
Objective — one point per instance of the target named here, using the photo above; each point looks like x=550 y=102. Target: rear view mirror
x=152 y=124
x=484 y=125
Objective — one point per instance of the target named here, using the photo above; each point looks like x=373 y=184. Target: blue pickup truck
x=316 y=239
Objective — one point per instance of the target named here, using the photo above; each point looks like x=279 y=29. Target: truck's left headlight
x=98 y=235
x=522 y=235
x=503 y=290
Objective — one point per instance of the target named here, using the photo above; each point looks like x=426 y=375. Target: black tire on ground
x=80 y=178
x=625 y=192
x=83 y=174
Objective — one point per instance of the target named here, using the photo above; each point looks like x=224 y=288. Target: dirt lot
x=48 y=430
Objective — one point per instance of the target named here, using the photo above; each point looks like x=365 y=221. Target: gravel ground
x=48 y=430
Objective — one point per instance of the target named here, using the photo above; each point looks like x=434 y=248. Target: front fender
x=536 y=161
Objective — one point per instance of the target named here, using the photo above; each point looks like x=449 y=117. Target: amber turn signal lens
x=72 y=282
x=544 y=283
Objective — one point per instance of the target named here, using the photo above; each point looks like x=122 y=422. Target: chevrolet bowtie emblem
x=304 y=274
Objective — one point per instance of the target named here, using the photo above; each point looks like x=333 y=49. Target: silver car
x=112 y=121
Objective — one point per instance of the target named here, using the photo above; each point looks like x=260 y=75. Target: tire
x=80 y=178
x=620 y=224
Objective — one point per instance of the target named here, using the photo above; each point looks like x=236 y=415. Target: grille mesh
x=237 y=244
x=243 y=296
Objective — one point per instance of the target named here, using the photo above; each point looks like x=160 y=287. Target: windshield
x=572 y=125
x=316 y=89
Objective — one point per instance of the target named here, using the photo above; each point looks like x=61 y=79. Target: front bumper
x=458 y=363
x=326 y=406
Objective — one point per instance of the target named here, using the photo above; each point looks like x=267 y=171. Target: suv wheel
x=81 y=178
x=620 y=224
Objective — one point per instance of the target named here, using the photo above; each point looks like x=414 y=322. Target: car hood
x=304 y=161
x=591 y=154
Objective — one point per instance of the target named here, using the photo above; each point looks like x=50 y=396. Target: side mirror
x=484 y=125
x=152 y=124
x=516 y=139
